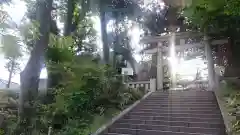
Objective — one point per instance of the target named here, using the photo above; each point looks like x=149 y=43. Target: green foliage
x=11 y=46
x=83 y=88
x=101 y=119
x=232 y=7
x=30 y=33
x=12 y=124
x=207 y=13
x=232 y=98
x=2 y=132
x=236 y=126
x=12 y=53
x=60 y=42
x=86 y=89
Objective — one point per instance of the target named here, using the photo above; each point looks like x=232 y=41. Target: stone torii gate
x=162 y=46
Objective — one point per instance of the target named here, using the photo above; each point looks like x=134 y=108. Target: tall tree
x=12 y=53
x=78 y=26
x=29 y=77
x=127 y=7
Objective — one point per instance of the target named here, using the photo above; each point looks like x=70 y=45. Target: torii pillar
x=159 y=67
x=210 y=64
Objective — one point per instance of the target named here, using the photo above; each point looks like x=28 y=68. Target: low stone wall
x=201 y=84
x=147 y=85
x=226 y=118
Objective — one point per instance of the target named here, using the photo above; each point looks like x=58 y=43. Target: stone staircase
x=172 y=113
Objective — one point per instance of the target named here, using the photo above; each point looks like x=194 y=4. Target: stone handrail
x=201 y=84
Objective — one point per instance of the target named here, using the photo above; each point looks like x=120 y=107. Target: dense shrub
x=81 y=88
x=87 y=89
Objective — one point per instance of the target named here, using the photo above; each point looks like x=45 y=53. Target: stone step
x=200 y=93
x=166 y=118
x=172 y=97
x=178 y=104
x=176 y=114
x=176 y=100
x=178 y=107
x=168 y=128
x=172 y=105
x=179 y=98
x=181 y=101
x=177 y=95
x=172 y=113
x=120 y=131
x=187 y=93
x=173 y=123
x=160 y=111
x=114 y=134
x=182 y=96
x=182 y=91
x=173 y=100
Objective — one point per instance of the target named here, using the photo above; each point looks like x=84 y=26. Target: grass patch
x=230 y=94
x=227 y=89
x=100 y=120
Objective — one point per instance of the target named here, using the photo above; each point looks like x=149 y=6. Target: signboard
x=127 y=71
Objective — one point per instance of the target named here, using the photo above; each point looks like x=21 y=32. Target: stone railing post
x=219 y=70
x=153 y=85
x=159 y=67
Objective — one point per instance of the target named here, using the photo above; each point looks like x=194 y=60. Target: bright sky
x=17 y=10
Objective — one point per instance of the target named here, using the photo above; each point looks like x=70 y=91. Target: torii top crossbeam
x=182 y=36
x=162 y=38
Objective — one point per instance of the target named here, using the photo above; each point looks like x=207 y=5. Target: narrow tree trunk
x=117 y=43
x=29 y=77
x=104 y=35
x=10 y=73
x=69 y=18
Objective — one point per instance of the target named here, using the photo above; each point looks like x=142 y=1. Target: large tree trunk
x=29 y=77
